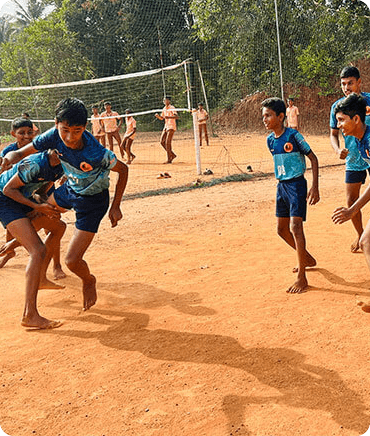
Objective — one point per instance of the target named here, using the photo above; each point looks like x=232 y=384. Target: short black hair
x=107 y=103
x=167 y=97
x=17 y=123
x=26 y=114
x=94 y=106
x=71 y=110
x=350 y=71
x=352 y=105
x=200 y=103
x=276 y=104
x=128 y=111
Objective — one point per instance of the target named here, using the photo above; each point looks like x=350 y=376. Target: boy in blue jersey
x=22 y=129
x=16 y=188
x=289 y=149
x=351 y=116
x=87 y=165
x=356 y=167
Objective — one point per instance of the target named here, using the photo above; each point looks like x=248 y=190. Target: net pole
x=33 y=92
x=161 y=60
x=279 y=50
x=195 y=124
x=205 y=96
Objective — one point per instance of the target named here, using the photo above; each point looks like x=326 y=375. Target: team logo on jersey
x=85 y=167
x=367 y=110
x=288 y=147
x=367 y=153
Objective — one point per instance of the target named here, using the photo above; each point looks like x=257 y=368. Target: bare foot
x=173 y=156
x=132 y=157
x=6 y=258
x=39 y=322
x=59 y=273
x=310 y=263
x=47 y=284
x=298 y=287
x=355 y=246
x=89 y=293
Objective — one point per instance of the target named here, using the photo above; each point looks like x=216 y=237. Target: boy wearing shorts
x=169 y=115
x=23 y=131
x=16 y=207
x=128 y=137
x=97 y=126
x=289 y=149
x=202 y=117
x=111 y=128
x=87 y=165
x=356 y=167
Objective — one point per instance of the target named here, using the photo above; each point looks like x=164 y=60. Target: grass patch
x=196 y=185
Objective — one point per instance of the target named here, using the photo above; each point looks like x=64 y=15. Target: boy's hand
x=343 y=153
x=47 y=209
x=115 y=215
x=341 y=215
x=313 y=196
x=4 y=165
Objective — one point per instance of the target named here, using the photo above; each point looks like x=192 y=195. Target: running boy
x=16 y=188
x=128 y=137
x=202 y=116
x=351 y=114
x=169 y=115
x=87 y=165
x=356 y=167
x=97 y=126
x=289 y=149
x=111 y=128
x=22 y=129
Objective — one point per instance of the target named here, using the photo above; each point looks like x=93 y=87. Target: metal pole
x=279 y=51
x=205 y=96
x=161 y=59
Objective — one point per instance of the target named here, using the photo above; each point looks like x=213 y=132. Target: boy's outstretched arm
x=115 y=213
x=343 y=214
x=313 y=195
x=15 y=156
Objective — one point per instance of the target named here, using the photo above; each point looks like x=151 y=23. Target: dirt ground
x=193 y=333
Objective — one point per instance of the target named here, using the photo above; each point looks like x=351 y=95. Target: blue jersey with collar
x=288 y=151
x=34 y=171
x=8 y=149
x=87 y=169
x=354 y=161
x=364 y=145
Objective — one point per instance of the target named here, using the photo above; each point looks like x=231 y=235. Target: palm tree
x=34 y=10
x=6 y=29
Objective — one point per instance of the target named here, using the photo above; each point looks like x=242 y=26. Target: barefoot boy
x=292 y=114
x=356 y=167
x=289 y=149
x=350 y=114
x=202 y=116
x=128 y=137
x=169 y=115
x=87 y=165
x=23 y=131
x=16 y=188
x=111 y=128
x=97 y=126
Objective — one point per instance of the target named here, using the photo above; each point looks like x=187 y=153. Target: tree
x=34 y=10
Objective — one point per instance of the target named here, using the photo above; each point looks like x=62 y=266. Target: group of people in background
x=108 y=123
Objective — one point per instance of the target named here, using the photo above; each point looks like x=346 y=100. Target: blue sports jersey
x=354 y=161
x=364 y=145
x=87 y=169
x=8 y=149
x=34 y=171
x=289 y=151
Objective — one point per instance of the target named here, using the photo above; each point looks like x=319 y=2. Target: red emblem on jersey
x=367 y=110
x=85 y=167
x=367 y=153
x=288 y=147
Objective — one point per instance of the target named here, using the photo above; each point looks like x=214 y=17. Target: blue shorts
x=11 y=210
x=90 y=209
x=356 y=176
x=291 y=198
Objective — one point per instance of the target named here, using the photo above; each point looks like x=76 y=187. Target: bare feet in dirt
x=39 y=322
x=310 y=263
x=298 y=287
x=6 y=257
x=48 y=284
x=89 y=293
x=58 y=273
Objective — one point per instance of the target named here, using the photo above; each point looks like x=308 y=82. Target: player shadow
x=139 y=295
x=337 y=280
x=297 y=383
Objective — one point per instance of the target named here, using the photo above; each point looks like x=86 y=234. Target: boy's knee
x=296 y=227
x=71 y=261
x=282 y=229
x=39 y=252
x=365 y=242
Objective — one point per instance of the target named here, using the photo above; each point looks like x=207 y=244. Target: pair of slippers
x=164 y=176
